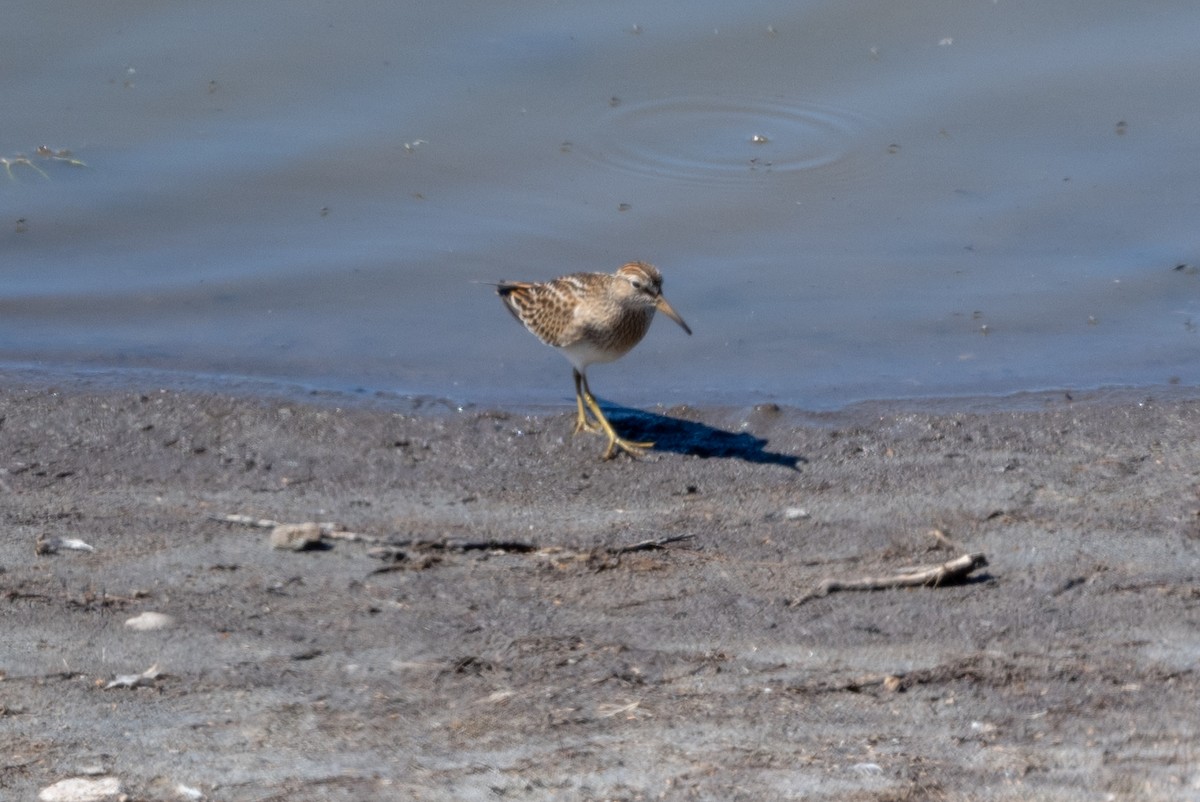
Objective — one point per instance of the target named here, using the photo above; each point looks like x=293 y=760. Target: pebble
x=296 y=537
x=795 y=513
x=81 y=789
x=147 y=621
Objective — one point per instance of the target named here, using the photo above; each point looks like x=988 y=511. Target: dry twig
x=946 y=573
x=328 y=529
x=648 y=545
x=147 y=677
x=394 y=548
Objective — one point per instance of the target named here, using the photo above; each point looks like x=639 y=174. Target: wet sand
x=495 y=637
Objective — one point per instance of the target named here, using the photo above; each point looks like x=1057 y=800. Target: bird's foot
x=615 y=442
x=630 y=447
x=582 y=424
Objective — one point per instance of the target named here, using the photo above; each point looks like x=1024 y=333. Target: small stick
x=147 y=677
x=329 y=529
x=245 y=520
x=949 y=572
x=516 y=546
x=648 y=545
x=266 y=523
x=354 y=537
x=334 y=531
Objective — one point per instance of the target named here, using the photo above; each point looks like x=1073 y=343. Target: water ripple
x=714 y=139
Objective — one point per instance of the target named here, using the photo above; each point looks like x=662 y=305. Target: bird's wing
x=545 y=309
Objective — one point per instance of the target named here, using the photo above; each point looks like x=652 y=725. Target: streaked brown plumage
x=592 y=317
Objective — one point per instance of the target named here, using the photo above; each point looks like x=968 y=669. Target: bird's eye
x=637 y=285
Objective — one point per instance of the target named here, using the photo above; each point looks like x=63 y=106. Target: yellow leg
x=582 y=424
x=615 y=441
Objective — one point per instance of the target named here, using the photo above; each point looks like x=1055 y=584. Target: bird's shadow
x=690 y=437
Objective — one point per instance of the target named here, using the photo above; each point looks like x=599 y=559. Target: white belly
x=584 y=353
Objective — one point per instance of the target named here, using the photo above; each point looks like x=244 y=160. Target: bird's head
x=645 y=286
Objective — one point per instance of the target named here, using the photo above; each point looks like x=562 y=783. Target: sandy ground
x=497 y=640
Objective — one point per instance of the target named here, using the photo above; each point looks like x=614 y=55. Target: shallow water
x=848 y=200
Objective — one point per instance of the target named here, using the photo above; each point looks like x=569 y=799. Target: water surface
x=848 y=200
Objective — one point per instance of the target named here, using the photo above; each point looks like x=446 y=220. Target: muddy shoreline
x=495 y=636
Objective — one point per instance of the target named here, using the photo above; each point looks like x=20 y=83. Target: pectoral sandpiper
x=592 y=317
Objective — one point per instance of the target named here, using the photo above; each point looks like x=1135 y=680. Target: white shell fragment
x=147 y=677
x=54 y=544
x=81 y=789
x=147 y=621
x=296 y=537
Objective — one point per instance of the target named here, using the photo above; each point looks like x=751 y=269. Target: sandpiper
x=592 y=317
